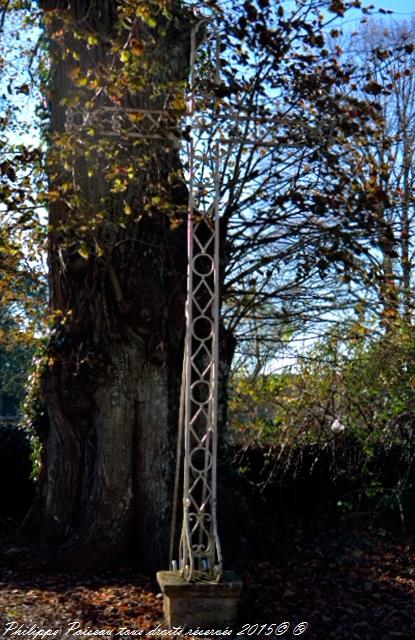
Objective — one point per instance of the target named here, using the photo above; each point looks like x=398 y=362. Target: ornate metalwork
x=145 y=124
x=200 y=552
x=199 y=549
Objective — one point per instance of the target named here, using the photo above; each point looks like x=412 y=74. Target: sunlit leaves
x=178 y=103
x=143 y=11
x=278 y=71
x=93 y=40
x=74 y=72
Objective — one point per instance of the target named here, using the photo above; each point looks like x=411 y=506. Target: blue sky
x=402 y=10
x=406 y=7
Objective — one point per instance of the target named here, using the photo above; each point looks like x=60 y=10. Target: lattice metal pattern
x=122 y=122
x=210 y=138
x=200 y=552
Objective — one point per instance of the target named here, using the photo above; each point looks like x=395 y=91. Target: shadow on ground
x=345 y=584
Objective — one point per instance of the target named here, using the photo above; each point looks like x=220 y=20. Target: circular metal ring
x=202 y=328
x=200 y=459
x=201 y=392
x=203 y=265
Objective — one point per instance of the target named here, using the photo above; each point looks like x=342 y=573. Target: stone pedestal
x=201 y=603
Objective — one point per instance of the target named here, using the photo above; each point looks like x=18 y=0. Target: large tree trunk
x=111 y=374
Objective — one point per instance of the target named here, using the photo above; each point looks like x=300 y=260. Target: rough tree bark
x=111 y=381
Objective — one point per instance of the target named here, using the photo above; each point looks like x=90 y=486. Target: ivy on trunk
x=117 y=257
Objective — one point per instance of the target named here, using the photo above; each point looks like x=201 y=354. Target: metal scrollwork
x=200 y=552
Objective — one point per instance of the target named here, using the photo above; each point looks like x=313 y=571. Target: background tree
x=22 y=315
x=383 y=55
x=349 y=395
x=300 y=207
x=22 y=282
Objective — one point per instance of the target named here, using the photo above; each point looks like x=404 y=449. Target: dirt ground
x=343 y=583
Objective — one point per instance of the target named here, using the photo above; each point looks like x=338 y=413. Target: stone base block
x=203 y=604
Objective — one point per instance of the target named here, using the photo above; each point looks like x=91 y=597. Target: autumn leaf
x=23 y=88
x=137 y=47
x=93 y=40
x=178 y=103
x=136 y=116
x=74 y=73
x=373 y=88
